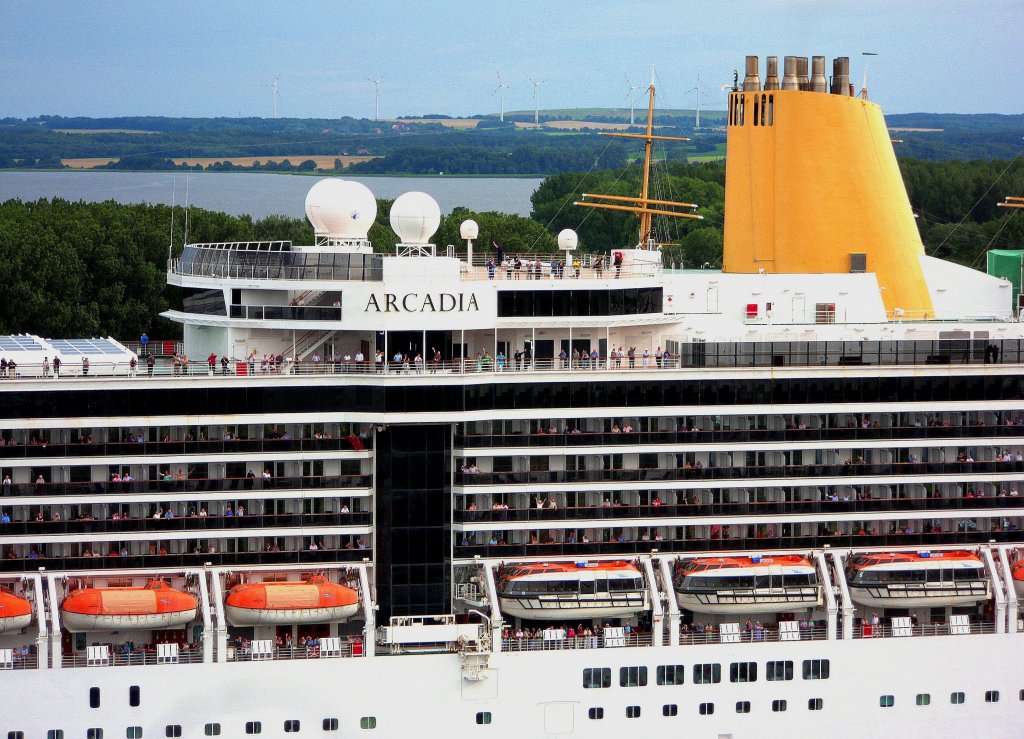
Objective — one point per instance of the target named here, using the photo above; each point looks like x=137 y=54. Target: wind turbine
x=629 y=96
x=536 y=92
x=376 y=95
x=697 y=89
x=501 y=98
x=276 y=93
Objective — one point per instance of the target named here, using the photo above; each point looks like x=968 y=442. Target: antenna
x=501 y=89
x=629 y=96
x=276 y=92
x=536 y=91
x=698 y=91
x=170 y=244
x=864 y=89
x=376 y=96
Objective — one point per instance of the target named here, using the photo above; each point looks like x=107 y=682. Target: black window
x=291 y=726
x=778 y=705
x=670 y=674
x=133 y=696
x=632 y=677
x=706 y=709
x=707 y=673
x=670 y=709
x=956 y=698
x=816 y=669
x=483 y=717
x=632 y=711
x=94 y=697
x=814 y=704
x=779 y=670
x=94 y=733
x=253 y=727
x=597 y=677
x=171 y=730
x=133 y=732
x=991 y=696
x=923 y=699
x=596 y=713
x=58 y=734
x=743 y=672
x=742 y=706
x=330 y=724
x=15 y=735
x=212 y=730
x=886 y=701
x=368 y=722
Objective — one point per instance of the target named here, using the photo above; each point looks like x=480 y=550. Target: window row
x=702 y=674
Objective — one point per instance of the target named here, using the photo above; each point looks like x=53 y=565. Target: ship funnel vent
x=752 y=78
x=819 y=83
x=771 y=78
x=789 y=80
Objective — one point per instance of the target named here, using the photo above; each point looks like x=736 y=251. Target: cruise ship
x=445 y=493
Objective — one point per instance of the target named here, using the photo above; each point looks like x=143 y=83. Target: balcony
x=189 y=485
x=158 y=562
x=157 y=527
x=179 y=448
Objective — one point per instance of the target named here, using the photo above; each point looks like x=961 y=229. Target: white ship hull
x=285 y=616
x=78 y=622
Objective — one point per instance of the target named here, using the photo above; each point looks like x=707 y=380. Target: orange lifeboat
x=15 y=612
x=572 y=590
x=747 y=584
x=312 y=601
x=155 y=606
x=1017 y=573
x=917 y=579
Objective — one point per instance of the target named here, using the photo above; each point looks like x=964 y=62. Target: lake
x=259 y=194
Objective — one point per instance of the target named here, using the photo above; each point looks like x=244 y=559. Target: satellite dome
x=567 y=239
x=342 y=209
x=415 y=217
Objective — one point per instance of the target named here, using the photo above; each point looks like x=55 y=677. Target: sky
x=206 y=58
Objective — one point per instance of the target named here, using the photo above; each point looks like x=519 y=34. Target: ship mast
x=641 y=205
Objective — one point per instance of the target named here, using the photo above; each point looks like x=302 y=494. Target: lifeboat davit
x=917 y=579
x=312 y=601
x=155 y=606
x=15 y=612
x=755 y=584
x=572 y=590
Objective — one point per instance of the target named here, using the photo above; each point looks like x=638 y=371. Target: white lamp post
x=469 y=231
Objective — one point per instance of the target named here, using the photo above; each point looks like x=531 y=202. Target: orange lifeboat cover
x=317 y=592
x=12 y=606
x=1017 y=570
x=154 y=598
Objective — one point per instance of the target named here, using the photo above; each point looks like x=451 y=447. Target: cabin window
x=330 y=724
x=59 y=734
x=778 y=705
x=95 y=733
x=483 y=717
x=706 y=709
x=956 y=698
x=824 y=312
x=632 y=677
x=923 y=699
x=253 y=727
x=670 y=709
x=15 y=735
x=816 y=669
x=1020 y=695
x=743 y=672
x=133 y=732
x=707 y=673
x=368 y=722
x=291 y=726
x=133 y=696
x=211 y=730
x=596 y=713
x=670 y=674
x=597 y=677
x=779 y=670
x=742 y=706
x=632 y=711
x=94 y=697
x=886 y=701
x=171 y=730
x=991 y=696
x=814 y=704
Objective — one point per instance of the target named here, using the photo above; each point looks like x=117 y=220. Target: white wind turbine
x=536 y=94
x=698 y=92
x=276 y=92
x=501 y=98
x=629 y=96
x=376 y=95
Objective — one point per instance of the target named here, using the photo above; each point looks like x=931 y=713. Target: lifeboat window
x=597 y=677
x=94 y=697
x=706 y=709
x=632 y=677
x=816 y=669
x=596 y=713
x=778 y=705
x=779 y=670
x=291 y=726
x=632 y=711
x=886 y=701
x=924 y=699
x=483 y=717
x=586 y=587
x=172 y=730
x=211 y=730
x=670 y=674
x=133 y=696
x=670 y=709
x=368 y=722
x=991 y=696
x=742 y=706
x=743 y=672
x=95 y=733
x=707 y=673
x=133 y=732
x=330 y=724
x=253 y=727
x=814 y=704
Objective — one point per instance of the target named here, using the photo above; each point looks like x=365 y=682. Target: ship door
x=798 y=311
x=712 y=299
x=558 y=718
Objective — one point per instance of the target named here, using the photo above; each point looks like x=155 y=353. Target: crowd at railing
x=43 y=448
x=47 y=524
x=127 y=654
x=186 y=485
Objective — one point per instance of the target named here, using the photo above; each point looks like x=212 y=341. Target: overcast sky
x=212 y=58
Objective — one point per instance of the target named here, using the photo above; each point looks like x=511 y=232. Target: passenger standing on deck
x=85 y=366
x=56 y=366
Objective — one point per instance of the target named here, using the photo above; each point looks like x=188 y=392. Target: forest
x=98 y=269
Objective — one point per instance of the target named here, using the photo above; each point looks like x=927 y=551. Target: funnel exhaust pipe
x=841 y=75
x=801 y=73
x=751 y=79
x=789 y=81
x=819 y=82
x=771 y=78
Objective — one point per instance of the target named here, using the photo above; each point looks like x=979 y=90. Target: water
x=259 y=194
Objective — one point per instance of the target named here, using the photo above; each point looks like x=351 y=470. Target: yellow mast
x=641 y=204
